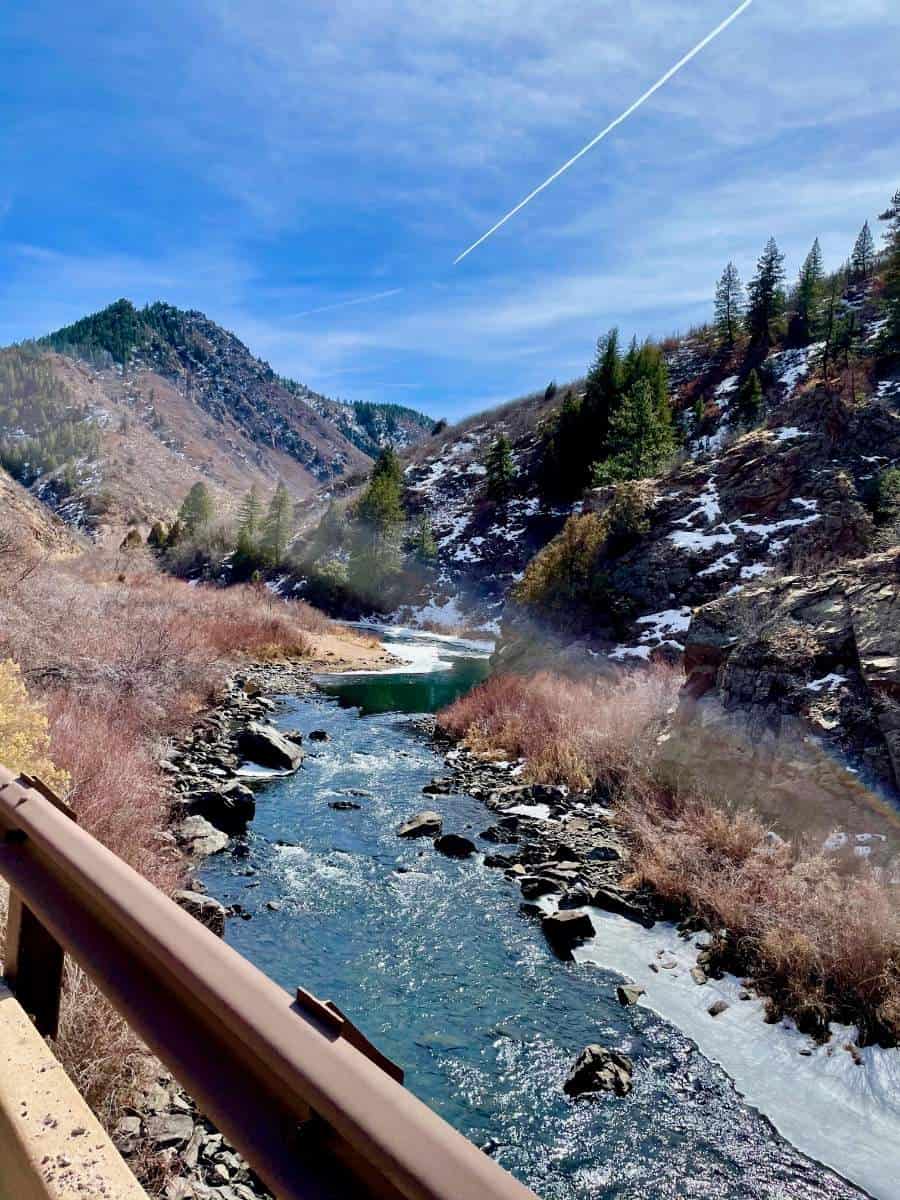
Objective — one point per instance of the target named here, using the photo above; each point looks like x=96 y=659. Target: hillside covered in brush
x=682 y=502
x=112 y=419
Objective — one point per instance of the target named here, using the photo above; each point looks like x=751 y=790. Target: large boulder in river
x=567 y=929
x=423 y=824
x=230 y=808
x=600 y=1070
x=198 y=837
x=454 y=845
x=263 y=744
x=206 y=909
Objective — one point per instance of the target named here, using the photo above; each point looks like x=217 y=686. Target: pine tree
x=246 y=557
x=640 y=437
x=249 y=515
x=729 y=305
x=831 y=322
x=332 y=528
x=500 y=469
x=277 y=526
x=863 y=258
x=388 y=466
x=375 y=551
x=424 y=547
x=808 y=297
x=765 y=294
x=750 y=400
x=602 y=394
x=197 y=509
x=892 y=272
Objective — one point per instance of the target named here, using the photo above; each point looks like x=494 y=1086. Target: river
x=432 y=959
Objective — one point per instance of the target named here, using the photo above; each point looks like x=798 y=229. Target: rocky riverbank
x=552 y=841
x=179 y=1153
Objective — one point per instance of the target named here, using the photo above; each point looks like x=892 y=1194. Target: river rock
x=454 y=845
x=423 y=824
x=127 y=1134
x=263 y=744
x=604 y=852
x=629 y=993
x=438 y=787
x=717 y=1008
x=343 y=805
x=600 y=1070
x=230 y=808
x=575 y=897
x=614 y=901
x=499 y=836
x=535 y=886
x=206 y=909
x=199 y=837
x=567 y=929
x=318 y=735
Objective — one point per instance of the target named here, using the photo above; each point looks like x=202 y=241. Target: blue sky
x=258 y=159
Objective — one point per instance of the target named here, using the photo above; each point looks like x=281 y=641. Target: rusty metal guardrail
x=290 y=1082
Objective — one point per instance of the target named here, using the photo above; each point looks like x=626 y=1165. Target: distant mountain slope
x=111 y=419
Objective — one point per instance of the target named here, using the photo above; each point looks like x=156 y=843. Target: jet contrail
x=612 y=125
x=347 y=303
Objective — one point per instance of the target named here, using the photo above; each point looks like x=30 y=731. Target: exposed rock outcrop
x=793 y=694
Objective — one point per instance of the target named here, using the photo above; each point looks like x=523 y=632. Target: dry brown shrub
x=822 y=943
x=577 y=733
x=101 y=1054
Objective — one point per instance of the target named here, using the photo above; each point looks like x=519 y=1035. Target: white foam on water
x=843 y=1115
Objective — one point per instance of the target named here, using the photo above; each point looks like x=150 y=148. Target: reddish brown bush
x=822 y=943
x=569 y=732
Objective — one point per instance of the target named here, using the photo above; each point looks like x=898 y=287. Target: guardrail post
x=33 y=961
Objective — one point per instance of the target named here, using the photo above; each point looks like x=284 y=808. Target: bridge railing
x=311 y=1105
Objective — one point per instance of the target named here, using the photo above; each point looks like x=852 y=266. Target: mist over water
x=432 y=959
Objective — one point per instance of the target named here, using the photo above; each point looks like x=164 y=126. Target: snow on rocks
x=791 y=367
x=831 y=682
x=662 y=627
x=789 y=434
x=708 y=505
x=725 y=563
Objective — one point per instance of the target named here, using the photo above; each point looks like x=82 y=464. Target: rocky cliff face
x=821 y=651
